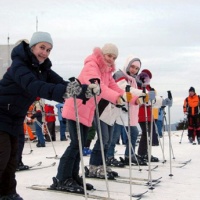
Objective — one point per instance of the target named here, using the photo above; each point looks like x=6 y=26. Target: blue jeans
x=159 y=127
x=38 y=131
x=62 y=129
x=70 y=160
x=96 y=156
x=116 y=134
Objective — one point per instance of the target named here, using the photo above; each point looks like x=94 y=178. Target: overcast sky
x=163 y=34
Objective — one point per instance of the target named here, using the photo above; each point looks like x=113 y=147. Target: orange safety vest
x=192 y=105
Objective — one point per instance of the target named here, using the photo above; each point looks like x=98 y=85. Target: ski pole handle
x=128 y=94
x=169 y=95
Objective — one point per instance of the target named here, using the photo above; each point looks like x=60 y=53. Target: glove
x=73 y=89
x=167 y=102
x=92 y=89
x=126 y=97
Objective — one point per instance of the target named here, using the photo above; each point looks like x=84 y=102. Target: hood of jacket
x=98 y=57
x=23 y=53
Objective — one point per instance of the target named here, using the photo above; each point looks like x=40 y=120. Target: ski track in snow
x=183 y=185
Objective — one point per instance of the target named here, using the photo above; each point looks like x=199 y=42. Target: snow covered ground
x=183 y=185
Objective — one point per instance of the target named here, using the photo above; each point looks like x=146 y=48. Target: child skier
x=29 y=76
x=99 y=65
x=124 y=77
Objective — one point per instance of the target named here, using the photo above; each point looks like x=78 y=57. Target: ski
x=43 y=167
x=38 y=166
x=185 y=162
x=140 y=179
x=53 y=157
x=30 y=152
x=46 y=188
x=139 y=195
x=35 y=165
x=117 y=180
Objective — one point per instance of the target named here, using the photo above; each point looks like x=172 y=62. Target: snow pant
x=194 y=126
x=62 y=129
x=21 y=141
x=142 y=149
x=8 y=163
x=107 y=131
x=154 y=135
x=28 y=130
x=70 y=160
x=116 y=133
x=52 y=130
x=159 y=125
x=38 y=131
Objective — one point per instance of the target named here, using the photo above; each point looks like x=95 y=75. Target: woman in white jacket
x=123 y=78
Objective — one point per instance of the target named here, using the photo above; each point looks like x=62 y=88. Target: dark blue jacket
x=25 y=80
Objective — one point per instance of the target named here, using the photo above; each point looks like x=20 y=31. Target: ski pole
x=156 y=128
x=169 y=133
x=131 y=144
x=151 y=98
x=79 y=139
x=39 y=124
x=100 y=135
x=183 y=130
x=128 y=97
x=31 y=150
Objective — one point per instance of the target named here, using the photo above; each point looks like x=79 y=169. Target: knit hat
x=191 y=89
x=147 y=72
x=110 y=49
x=40 y=37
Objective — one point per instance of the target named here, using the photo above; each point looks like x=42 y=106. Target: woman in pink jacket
x=99 y=65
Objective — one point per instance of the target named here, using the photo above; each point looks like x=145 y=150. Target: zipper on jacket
x=8 y=106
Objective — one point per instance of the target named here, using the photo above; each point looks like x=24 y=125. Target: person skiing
x=29 y=76
x=124 y=77
x=145 y=117
x=99 y=65
x=191 y=108
x=62 y=121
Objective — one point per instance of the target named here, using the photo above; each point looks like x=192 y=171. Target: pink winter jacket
x=94 y=67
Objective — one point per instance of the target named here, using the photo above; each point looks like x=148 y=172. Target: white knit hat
x=40 y=37
x=110 y=49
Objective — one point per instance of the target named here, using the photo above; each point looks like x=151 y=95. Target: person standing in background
x=62 y=121
x=191 y=108
x=50 y=119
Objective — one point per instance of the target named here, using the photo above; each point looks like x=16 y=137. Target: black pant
x=142 y=149
x=8 y=163
x=52 y=130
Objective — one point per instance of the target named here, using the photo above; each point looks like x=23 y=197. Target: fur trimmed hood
x=98 y=57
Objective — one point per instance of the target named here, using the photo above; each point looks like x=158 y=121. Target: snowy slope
x=183 y=185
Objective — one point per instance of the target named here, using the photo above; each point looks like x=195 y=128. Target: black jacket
x=25 y=80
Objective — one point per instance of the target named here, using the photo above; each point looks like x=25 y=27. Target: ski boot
x=21 y=166
x=114 y=162
x=11 y=197
x=97 y=172
x=139 y=161
x=86 y=151
x=69 y=185
x=79 y=180
x=153 y=159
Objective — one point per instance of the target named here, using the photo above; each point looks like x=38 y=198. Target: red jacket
x=49 y=113
x=141 y=114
